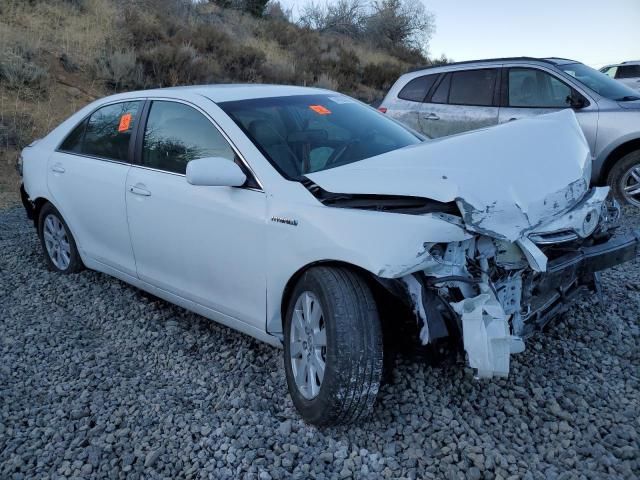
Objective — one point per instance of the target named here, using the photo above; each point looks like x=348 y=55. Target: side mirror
x=215 y=172
x=577 y=101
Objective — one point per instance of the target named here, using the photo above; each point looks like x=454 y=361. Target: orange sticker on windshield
x=125 y=122
x=320 y=110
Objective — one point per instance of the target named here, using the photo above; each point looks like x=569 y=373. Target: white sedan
x=298 y=215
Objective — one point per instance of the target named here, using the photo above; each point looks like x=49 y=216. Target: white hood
x=507 y=180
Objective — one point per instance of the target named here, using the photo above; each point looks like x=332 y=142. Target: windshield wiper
x=627 y=98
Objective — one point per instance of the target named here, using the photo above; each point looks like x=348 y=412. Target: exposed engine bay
x=496 y=293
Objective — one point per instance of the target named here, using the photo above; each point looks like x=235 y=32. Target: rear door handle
x=137 y=190
x=58 y=168
x=432 y=116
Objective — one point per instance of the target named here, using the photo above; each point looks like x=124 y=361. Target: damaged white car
x=298 y=215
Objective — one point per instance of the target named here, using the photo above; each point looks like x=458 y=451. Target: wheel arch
x=385 y=291
x=616 y=154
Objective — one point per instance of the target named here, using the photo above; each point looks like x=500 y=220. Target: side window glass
x=534 y=88
x=611 y=71
x=441 y=95
x=73 y=142
x=473 y=87
x=109 y=131
x=628 y=71
x=417 y=88
x=176 y=134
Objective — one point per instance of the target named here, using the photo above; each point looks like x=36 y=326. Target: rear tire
x=624 y=179
x=352 y=355
x=60 y=251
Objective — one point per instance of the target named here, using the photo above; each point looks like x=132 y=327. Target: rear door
x=408 y=106
x=86 y=177
x=462 y=100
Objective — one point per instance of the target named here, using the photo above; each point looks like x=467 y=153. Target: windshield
x=308 y=133
x=599 y=82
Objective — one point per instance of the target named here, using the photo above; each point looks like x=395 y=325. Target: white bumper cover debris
x=486 y=336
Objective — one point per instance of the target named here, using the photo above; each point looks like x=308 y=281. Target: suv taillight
x=382 y=109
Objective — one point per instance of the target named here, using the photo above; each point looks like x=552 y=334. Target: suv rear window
x=417 y=88
x=473 y=87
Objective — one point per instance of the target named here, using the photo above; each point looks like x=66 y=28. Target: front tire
x=332 y=347
x=624 y=179
x=60 y=251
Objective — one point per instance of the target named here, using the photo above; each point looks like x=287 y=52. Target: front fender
x=388 y=245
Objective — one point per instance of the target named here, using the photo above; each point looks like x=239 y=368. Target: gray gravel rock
x=100 y=380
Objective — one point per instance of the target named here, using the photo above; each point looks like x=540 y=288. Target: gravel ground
x=98 y=379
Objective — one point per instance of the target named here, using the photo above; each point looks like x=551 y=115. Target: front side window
x=417 y=88
x=473 y=87
x=302 y=134
x=176 y=133
x=109 y=130
x=529 y=87
x=610 y=71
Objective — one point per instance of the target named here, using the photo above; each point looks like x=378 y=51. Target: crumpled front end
x=494 y=292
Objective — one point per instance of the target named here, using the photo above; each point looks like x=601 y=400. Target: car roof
x=547 y=60
x=622 y=64
x=226 y=92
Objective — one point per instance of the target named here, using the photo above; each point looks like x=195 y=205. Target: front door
x=205 y=244
x=533 y=91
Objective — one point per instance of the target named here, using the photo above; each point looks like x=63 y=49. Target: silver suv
x=458 y=97
x=625 y=72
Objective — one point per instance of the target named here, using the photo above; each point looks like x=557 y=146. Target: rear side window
x=417 y=88
x=441 y=95
x=73 y=142
x=610 y=71
x=176 y=133
x=473 y=87
x=108 y=131
x=628 y=71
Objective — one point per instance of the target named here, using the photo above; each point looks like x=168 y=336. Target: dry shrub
x=19 y=72
x=120 y=70
x=380 y=75
x=169 y=65
x=16 y=130
x=325 y=81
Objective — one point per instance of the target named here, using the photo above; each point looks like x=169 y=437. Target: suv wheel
x=58 y=244
x=332 y=346
x=624 y=179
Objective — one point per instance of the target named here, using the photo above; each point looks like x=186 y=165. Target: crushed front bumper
x=552 y=292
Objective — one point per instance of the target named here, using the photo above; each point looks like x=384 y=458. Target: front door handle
x=432 y=116
x=58 y=168
x=138 y=190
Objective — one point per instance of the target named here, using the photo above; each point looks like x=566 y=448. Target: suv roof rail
x=488 y=60
x=631 y=61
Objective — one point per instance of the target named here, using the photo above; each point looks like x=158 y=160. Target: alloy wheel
x=308 y=345
x=57 y=242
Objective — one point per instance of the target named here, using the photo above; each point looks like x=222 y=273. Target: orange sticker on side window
x=125 y=122
x=320 y=110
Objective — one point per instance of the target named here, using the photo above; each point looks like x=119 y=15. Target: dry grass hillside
x=58 y=55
